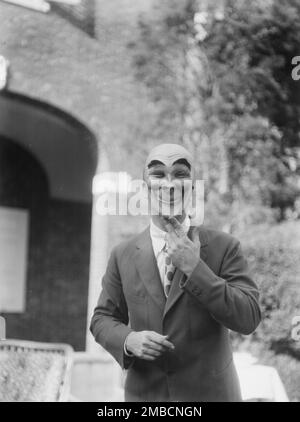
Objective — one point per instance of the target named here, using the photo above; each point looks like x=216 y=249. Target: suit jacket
x=197 y=315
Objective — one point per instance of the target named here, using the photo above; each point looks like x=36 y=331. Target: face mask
x=169 y=198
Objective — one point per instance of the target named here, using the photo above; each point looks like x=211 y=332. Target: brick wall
x=58 y=257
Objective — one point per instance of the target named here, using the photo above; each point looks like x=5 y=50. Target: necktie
x=168 y=272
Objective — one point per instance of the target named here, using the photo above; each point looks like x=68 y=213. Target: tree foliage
x=220 y=79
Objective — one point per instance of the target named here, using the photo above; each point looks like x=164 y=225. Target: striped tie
x=168 y=273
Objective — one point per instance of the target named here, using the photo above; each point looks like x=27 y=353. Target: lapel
x=146 y=264
x=175 y=291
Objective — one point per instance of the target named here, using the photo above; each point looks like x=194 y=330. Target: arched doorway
x=47 y=162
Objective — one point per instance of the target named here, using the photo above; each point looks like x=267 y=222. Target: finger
x=162 y=347
x=195 y=236
x=171 y=240
x=173 y=227
x=147 y=357
x=162 y=340
x=168 y=344
x=177 y=226
x=170 y=228
x=150 y=352
x=155 y=346
x=165 y=220
x=174 y=232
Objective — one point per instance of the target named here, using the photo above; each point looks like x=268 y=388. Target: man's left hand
x=184 y=253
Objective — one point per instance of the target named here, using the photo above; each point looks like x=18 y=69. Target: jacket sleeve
x=109 y=324
x=231 y=297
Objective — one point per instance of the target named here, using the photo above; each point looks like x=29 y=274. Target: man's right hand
x=147 y=345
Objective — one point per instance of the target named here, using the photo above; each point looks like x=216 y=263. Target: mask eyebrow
x=154 y=163
x=184 y=162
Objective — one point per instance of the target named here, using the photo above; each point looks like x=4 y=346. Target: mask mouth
x=171 y=196
x=170 y=200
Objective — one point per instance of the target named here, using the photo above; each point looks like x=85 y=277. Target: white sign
x=39 y=5
x=3 y=72
x=13 y=258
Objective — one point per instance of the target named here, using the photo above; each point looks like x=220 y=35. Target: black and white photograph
x=149 y=203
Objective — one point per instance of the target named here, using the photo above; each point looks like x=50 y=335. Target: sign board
x=13 y=258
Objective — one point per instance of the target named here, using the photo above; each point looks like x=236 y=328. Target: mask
x=169 y=197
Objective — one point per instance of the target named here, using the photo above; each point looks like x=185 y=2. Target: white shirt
x=158 y=238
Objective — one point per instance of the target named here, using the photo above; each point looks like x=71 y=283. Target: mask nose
x=168 y=183
x=168 y=188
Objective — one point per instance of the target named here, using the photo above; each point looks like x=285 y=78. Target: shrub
x=273 y=255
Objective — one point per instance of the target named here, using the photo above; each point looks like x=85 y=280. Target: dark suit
x=218 y=296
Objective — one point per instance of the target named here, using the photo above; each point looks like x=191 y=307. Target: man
x=170 y=295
